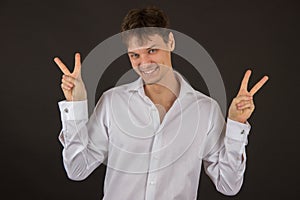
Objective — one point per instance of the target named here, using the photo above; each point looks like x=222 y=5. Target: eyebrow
x=130 y=52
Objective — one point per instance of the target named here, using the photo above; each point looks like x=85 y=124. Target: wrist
x=237 y=120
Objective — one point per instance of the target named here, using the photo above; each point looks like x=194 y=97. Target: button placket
x=153 y=164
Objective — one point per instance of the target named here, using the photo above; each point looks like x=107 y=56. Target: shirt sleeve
x=85 y=141
x=225 y=158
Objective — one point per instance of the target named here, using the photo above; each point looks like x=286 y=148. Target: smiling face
x=152 y=59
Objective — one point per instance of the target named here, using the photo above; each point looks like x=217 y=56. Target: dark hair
x=145 y=22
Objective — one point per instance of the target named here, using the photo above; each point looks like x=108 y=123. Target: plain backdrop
x=260 y=35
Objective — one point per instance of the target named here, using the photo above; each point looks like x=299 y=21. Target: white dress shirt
x=148 y=159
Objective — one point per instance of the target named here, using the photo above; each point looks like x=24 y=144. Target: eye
x=134 y=55
x=151 y=51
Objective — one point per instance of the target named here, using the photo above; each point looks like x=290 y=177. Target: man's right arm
x=85 y=141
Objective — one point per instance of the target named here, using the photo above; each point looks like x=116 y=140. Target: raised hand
x=242 y=105
x=72 y=84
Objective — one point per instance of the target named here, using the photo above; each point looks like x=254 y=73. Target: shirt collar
x=185 y=87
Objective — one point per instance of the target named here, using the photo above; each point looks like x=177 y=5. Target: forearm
x=226 y=163
x=80 y=155
x=78 y=159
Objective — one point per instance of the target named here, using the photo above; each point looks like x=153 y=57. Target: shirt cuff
x=237 y=130
x=73 y=110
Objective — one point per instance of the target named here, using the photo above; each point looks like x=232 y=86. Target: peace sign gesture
x=242 y=105
x=72 y=84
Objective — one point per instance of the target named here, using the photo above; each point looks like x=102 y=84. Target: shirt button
x=243 y=131
x=155 y=157
x=66 y=110
x=152 y=182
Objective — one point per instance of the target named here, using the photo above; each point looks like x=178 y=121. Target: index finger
x=62 y=66
x=245 y=80
x=258 y=85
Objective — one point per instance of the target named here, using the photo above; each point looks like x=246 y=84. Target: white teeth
x=149 y=72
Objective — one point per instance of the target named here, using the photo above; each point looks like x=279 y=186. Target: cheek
x=133 y=62
x=161 y=60
x=157 y=59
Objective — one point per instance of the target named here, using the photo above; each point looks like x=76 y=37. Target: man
x=154 y=132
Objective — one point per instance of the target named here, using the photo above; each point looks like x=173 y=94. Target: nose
x=144 y=59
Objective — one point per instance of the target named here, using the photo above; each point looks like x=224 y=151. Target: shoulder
x=121 y=89
x=117 y=92
x=204 y=99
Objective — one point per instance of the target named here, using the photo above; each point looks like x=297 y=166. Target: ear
x=171 y=41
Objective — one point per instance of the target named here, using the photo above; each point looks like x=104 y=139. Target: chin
x=151 y=81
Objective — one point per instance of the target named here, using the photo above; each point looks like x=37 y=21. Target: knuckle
x=70 y=79
x=67 y=77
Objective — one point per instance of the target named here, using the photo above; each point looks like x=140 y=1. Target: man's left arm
x=225 y=162
x=242 y=107
x=224 y=157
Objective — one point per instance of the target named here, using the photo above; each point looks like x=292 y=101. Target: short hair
x=145 y=22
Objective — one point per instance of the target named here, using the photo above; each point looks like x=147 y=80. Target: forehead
x=151 y=41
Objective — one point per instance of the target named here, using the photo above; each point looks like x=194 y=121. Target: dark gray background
x=261 y=35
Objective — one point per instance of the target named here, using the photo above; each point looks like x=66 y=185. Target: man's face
x=152 y=59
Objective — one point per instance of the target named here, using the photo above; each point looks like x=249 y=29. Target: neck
x=166 y=91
